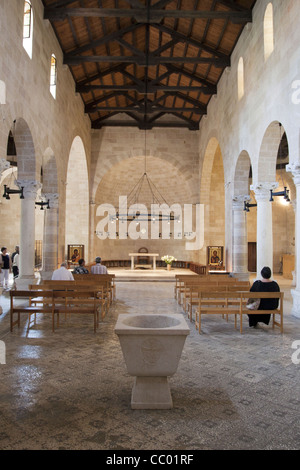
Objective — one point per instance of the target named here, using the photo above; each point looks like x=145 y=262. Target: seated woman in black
x=265 y=285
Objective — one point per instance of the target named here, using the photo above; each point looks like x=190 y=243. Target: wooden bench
x=192 y=294
x=103 y=292
x=181 y=281
x=234 y=303
x=54 y=302
x=263 y=295
x=189 y=284
x=75 y=302
x=27 y=306
x=108 y=278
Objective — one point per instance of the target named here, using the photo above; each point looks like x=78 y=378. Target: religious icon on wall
x=75 y=253
x=215 y=255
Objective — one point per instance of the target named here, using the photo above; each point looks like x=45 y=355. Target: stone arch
x=241 y=175
x=77 y=197
x=25 y=150
x=265 y=170
x=49 y=169
x=212 y=195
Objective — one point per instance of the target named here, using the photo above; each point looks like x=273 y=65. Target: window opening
x=53 y=76
x=268 y=31
x=27 y=27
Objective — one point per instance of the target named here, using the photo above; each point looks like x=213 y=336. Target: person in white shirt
x=98 y=268
x=62 y=274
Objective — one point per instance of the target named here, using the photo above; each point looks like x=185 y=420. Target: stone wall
x=239 y=125
x=52 y=123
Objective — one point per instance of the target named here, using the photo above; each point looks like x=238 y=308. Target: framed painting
x=215 y=255
x=75 y=253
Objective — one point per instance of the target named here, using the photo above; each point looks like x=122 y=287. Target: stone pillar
x=91 y=254
x=27 y=233
x=50 y=237
x=239 y=238
x=295 y=170
x=264 y=225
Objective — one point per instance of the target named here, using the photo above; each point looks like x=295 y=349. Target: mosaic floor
x=70 y=390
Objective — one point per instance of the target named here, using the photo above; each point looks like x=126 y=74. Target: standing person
x=81 y=269
x=62 y=273
x=6 y=267
x=15 y=261
x=98 y=268
x=265 y=285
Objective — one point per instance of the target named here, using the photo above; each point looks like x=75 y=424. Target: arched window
x=268 y=31
x=27 y=27
x=240 y=77
x=53 y=75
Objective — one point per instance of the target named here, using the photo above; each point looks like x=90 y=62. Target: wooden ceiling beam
x=147 y=15
x=105 y=39
x=189 y=41
x=142 y=90
x=144 y=60
x=149 y=109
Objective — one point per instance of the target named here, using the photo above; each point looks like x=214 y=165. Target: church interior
x=162 y=137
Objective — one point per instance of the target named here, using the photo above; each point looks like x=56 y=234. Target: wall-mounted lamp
x=284 y=193
x=247 y=206
x=8 y=191
x=43 y=204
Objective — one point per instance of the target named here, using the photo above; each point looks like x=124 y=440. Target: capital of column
x=294 y=168
x=53 y=199
x=238 y=202
x=262 y=190
x=92 y=202
x=4 y=165
x=30 y=188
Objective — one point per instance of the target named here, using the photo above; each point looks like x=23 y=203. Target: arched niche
x=77 y=197
x=212 y=195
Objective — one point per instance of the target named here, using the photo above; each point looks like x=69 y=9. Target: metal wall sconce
x=247 y=206
x=8 y=191
x=284 y=193
x=42 y=204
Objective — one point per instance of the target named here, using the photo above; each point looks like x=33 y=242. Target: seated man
x=62 y=274
x=81 y=268
x=98 y=268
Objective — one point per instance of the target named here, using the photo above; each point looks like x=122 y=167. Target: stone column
x=27 y=233
x=264 y=225
x=295 y=170
x=91 y=254
x=239 y=238
x=50 y=237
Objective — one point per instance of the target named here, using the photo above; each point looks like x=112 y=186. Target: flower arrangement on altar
x=168 y=259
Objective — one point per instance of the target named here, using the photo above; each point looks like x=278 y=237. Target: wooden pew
x=109 y=278
x=69 y=302
x=192 y=292
x=103 y=292
x=234 y=303
x=193 y=284
x=28 y=307
x=182 y=281
x=263 y=295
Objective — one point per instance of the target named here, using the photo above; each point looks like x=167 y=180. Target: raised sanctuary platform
x=158 y=274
